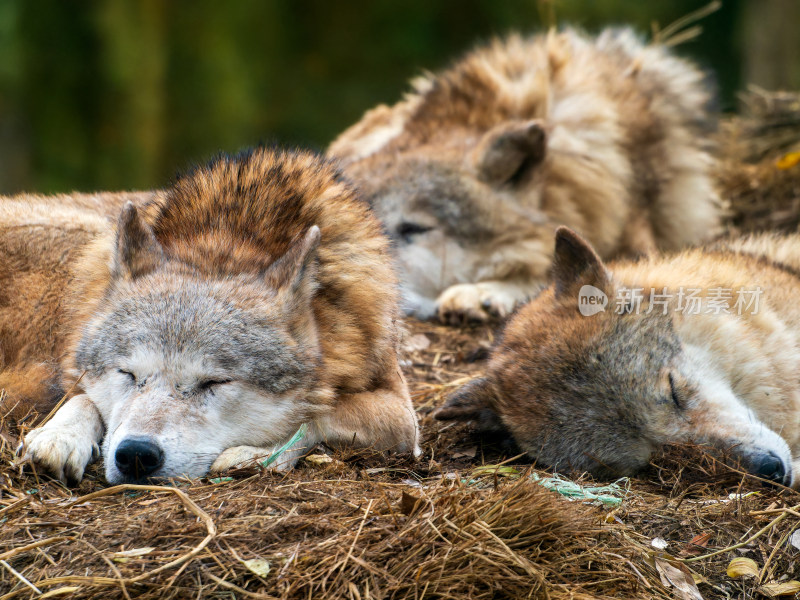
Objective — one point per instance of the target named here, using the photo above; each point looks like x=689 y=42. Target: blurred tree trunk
x=771 y=45
x=14 y=149
x=133 y=61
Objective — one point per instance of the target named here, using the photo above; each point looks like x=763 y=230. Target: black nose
x=137 y=458
x=770 y=466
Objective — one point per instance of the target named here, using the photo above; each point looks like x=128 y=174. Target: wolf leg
x=483 y=300
x=369 y=419
x=242 y=456
x=383 y=419
x=68 y=442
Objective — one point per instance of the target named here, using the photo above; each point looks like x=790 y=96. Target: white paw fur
x=242 y=456
x=479 y=301
x=62 y=452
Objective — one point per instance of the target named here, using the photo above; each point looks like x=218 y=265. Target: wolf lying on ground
x=252 y=296
x=473 y=171
x=609 y=363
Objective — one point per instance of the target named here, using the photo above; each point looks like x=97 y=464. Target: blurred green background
x=120 y=94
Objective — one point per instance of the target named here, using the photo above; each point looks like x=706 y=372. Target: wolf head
x=454 y=215
x=183 y=363
x=601 y=392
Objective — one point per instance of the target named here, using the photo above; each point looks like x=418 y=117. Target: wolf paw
x=243 y=456
x=59 y=452
x=475 y=302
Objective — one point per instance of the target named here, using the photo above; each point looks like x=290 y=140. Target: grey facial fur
x=441 y=196
x=608 y=397
x=182 y=364
x=449 y=228
x=196 y=319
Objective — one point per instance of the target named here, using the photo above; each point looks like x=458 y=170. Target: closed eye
x=676 y=398
x=128 y=374
x=208 y=384
x=407 y=230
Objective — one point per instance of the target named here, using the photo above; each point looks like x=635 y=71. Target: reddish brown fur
x=234 y=216
x=356 y=304
x=39 y=246
x=601 y=390
x=107 y=204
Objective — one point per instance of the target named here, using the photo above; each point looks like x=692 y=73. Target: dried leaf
x=780 y=588
x=465 y=452
x=408 y=503
x=679 y=578
x=698 y=543
x=701 y=539
x=319 y=459
x=787 y=161
x=742 y=567
x=259 y=566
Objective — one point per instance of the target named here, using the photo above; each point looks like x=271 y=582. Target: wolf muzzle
x=770 y=466
x=136 y=458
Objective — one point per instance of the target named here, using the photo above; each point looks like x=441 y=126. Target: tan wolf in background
x=601 y=392
x=472 y=171
x=254 y=295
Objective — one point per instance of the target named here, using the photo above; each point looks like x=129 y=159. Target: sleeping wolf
x=252 y=296
x=473 y=171
x=610 y=363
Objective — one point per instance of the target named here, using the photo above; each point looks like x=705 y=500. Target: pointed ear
x=296 y=271
x=508 y=149
x=575 y=262
x=138 y=251
x=472 y=402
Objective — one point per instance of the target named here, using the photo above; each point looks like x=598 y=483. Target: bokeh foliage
x=119 y=94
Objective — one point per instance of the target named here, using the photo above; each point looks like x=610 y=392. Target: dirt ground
x=467 y=520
